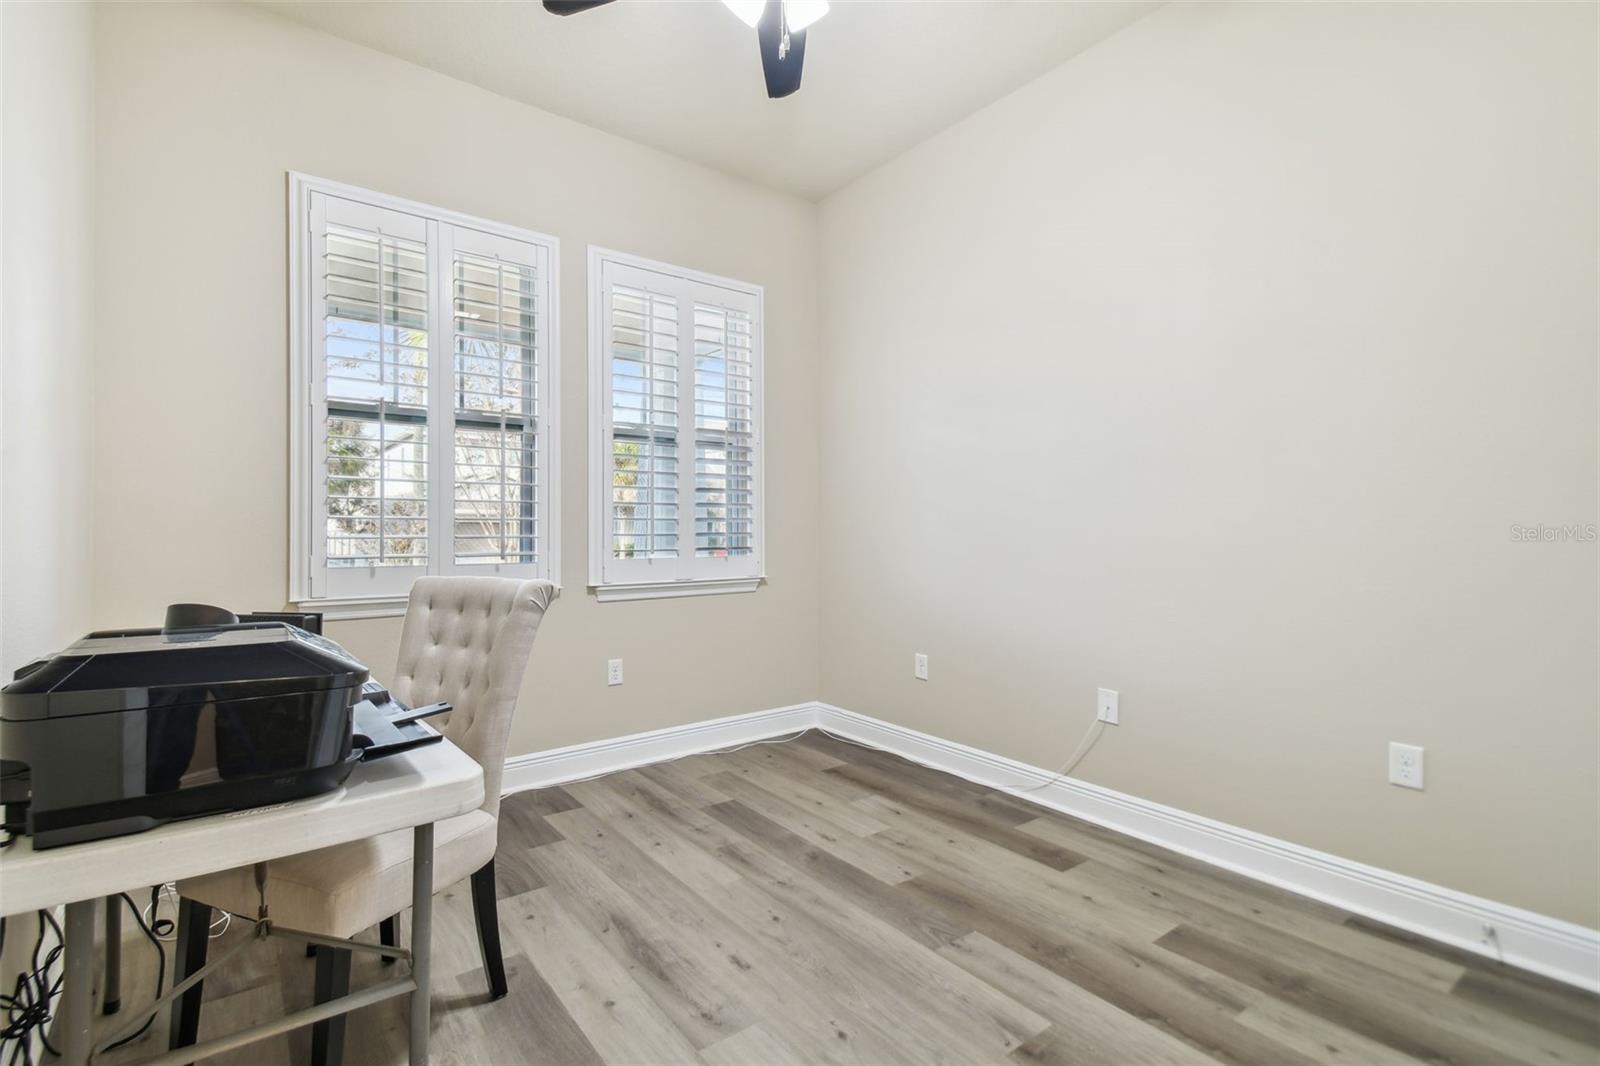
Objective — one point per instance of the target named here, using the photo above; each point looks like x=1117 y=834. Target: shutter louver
x=375 y=347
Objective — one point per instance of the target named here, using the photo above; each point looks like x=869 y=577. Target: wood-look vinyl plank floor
x=819 y=902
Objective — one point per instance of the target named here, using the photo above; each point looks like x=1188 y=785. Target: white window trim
x=600 y=444
x=302 y=345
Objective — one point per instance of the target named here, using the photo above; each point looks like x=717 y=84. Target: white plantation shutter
x=428 y=442
x=371 y=296
x=643 y=337
x=724 y=432
x=499 y=305
x=676 y=366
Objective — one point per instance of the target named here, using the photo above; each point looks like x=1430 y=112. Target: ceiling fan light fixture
x=749 y=11
x=780 y=27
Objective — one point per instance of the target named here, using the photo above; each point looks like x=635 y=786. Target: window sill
x=662 y=590
x=350 y=608
x=353 y=607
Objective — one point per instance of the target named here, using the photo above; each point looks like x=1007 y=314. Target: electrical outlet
x=1405 y=765
x=919 y=666
x=613 y=671
x=1106 y=706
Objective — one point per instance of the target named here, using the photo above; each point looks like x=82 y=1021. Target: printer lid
x=131 y=669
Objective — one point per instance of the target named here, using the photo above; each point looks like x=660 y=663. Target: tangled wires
x=26 y=1009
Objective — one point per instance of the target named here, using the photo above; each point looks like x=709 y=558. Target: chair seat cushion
x=340 y=891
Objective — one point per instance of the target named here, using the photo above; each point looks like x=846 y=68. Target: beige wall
x=47 y=501
x=201 y=111
x=1215 y=367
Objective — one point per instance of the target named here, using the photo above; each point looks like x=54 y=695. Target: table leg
x=113 y=982
x=421 y=939
x=77 y=996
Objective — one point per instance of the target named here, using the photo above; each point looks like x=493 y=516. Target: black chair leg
x=487 y=914
x=333 y=981
x=389 y=936
x=194 y=936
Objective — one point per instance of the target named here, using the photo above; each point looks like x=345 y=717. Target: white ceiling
x=685 y=75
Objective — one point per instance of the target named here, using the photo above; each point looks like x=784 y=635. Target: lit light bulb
x=799 y=13
x=749 y=11
x=802 y=13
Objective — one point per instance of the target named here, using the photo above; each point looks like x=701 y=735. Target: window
x=675 y=387
x=423 y=398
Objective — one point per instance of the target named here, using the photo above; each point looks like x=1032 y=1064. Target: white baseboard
x=543 y=768
x=1561 y=950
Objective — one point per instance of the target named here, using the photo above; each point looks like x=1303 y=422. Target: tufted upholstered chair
x=466 y=641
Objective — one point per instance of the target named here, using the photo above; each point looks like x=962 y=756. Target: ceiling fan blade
x=783 y=75
x=571 y=7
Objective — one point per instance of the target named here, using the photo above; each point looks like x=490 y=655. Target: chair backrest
x=466 y=640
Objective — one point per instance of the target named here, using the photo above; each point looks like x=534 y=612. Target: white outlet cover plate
x=919 y=666
x=1106 y=706
x=613 y=671
x=1405 y=765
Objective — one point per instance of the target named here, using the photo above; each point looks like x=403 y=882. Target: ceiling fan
x=780 y=27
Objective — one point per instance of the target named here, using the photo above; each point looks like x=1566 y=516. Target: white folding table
x=411 y=790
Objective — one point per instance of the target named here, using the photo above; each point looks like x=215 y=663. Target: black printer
x=128 y=729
